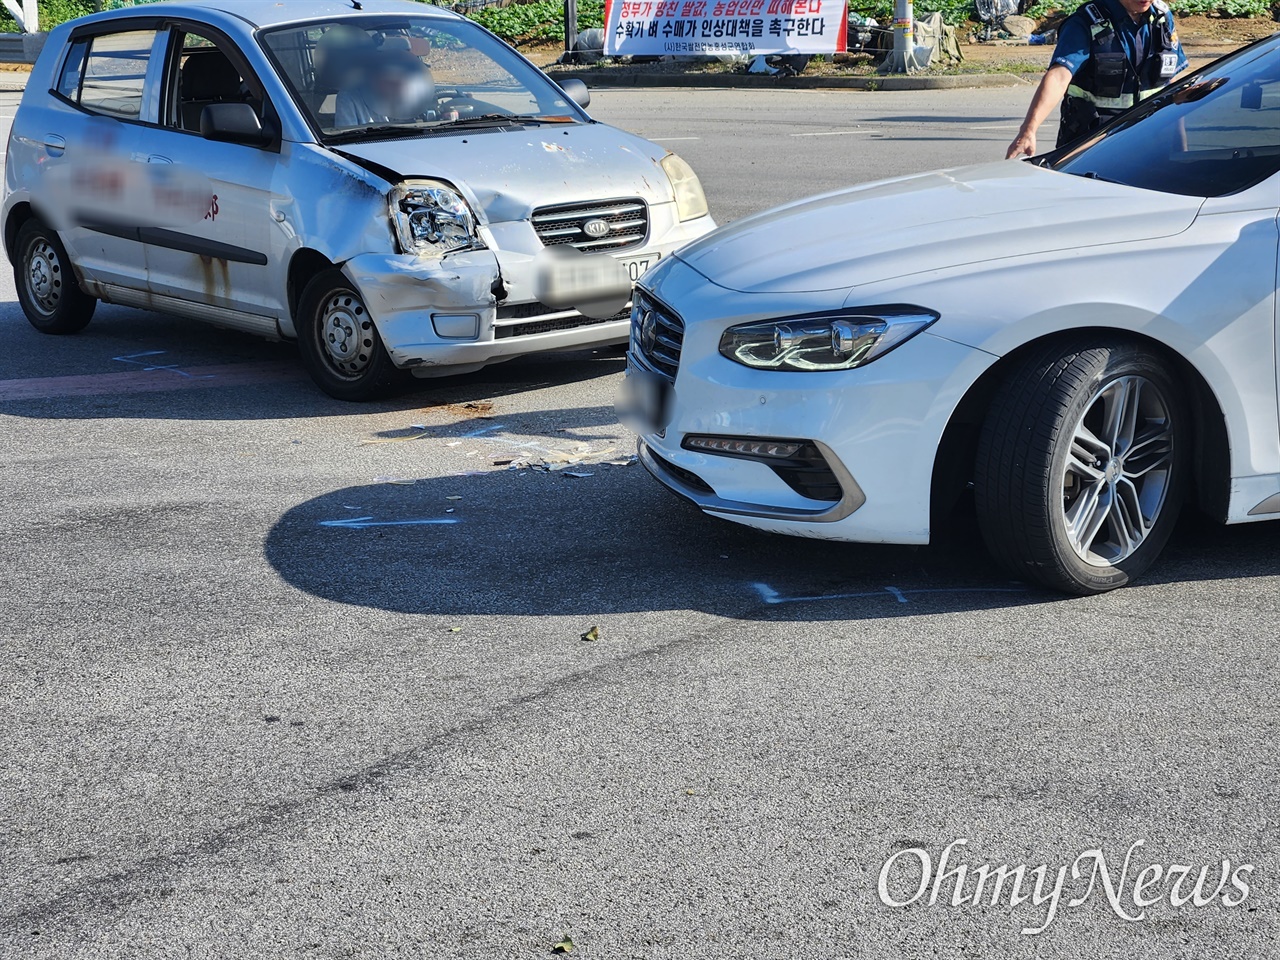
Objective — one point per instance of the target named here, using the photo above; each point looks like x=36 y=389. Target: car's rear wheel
x=339 y=343
x=1081 y=465
x=47 y=288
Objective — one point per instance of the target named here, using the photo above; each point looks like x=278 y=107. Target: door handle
x=156 y=158
x=55 y=144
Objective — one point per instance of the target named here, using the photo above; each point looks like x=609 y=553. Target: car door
x=219 y=259
x=106 y=94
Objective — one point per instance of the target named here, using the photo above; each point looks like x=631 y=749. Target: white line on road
x=831 y=133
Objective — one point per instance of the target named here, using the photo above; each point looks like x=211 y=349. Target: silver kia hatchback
x=385 y=182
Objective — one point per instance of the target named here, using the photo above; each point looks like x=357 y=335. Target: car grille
x=626 y=224
x=657 y=332
x=529 y=319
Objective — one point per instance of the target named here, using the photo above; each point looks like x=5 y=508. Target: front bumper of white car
x=462 y=311
x=864 y=439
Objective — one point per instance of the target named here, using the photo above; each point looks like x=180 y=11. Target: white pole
x=903 y=57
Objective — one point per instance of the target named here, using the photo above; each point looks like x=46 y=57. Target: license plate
x=636 y=266
x=644 y=400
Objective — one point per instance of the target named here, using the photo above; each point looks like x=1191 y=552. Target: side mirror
x=234 y=123
x=576 y=91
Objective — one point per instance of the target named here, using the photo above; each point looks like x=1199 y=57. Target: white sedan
x=1086 y=341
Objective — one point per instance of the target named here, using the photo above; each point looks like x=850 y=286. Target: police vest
x=1109 y=80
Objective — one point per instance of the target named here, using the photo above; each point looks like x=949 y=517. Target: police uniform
x=1114 y=62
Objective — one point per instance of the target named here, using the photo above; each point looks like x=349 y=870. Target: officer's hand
x=1024 y=145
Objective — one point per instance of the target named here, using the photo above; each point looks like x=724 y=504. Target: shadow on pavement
x=532 y=543
x=135 y=364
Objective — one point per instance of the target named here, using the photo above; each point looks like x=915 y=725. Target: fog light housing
x=456 y=326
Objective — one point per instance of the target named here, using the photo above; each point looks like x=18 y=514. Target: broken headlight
x=432 y=219
x=841 y=341
x=691 y=202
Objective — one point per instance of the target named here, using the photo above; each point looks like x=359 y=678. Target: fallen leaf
x=455 y=629
x=564 y=946
x=592 y=634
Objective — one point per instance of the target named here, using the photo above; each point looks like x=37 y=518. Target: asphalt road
x=253 y=709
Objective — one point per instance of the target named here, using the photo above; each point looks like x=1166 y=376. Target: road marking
x=830 y=133
x=167 y=367
x=481 y=431
x=150 y=381
x=362 y=523
x=771 y=596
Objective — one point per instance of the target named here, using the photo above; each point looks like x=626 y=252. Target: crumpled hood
x=933 y=221
x=507 y=173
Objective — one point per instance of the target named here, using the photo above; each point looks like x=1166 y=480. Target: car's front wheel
x=1080 y=465
x=47 y=289
x=339 y=343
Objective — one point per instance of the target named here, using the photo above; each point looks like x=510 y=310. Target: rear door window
x=113 y=78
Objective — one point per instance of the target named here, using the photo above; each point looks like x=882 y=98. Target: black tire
x=1041 y=481
x=48 y=291
x=339 y=343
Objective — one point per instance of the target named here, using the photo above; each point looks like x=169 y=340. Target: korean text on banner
x=654 y=28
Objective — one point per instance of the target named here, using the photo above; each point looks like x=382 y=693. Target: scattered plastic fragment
x=579 y=473
x=398 y=481
x=592 y=635
x=453 y=497
x=564 y=946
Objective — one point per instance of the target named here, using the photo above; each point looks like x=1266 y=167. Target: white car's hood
x=507 y=173
x=950 y=218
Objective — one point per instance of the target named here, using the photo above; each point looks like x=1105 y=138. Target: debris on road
x=583 y=474
x=396 y=481
x=564 y=946
x=591 y=635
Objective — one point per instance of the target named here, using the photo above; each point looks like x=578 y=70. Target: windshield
x=1216 y=132
x=373 y=77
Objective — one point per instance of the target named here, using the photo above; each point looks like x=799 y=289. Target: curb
x=742 y=81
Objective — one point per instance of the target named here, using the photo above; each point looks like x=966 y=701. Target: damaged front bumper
x=449 y=315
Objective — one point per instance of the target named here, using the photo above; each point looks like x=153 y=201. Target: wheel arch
x=305 y=263
x=19 y=214
x=954 y=462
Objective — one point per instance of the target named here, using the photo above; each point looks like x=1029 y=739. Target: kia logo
x=596 y=228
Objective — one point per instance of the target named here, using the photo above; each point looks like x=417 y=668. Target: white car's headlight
x=691 y=202
x=432 y=219
x=831 y=342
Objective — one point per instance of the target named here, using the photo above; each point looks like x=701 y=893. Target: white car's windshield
x=1217 y=132
x=368 y=77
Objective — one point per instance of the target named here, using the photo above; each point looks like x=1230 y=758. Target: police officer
x=1111 y=54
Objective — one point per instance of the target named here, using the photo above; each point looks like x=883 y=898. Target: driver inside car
x=396 y=87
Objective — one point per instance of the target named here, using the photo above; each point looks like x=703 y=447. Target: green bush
x=538 y=21
x=1226 y=8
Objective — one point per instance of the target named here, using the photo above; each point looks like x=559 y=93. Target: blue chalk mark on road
x=362 y=523
x=771 y=596
x=481 y=431
x=170 y=367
